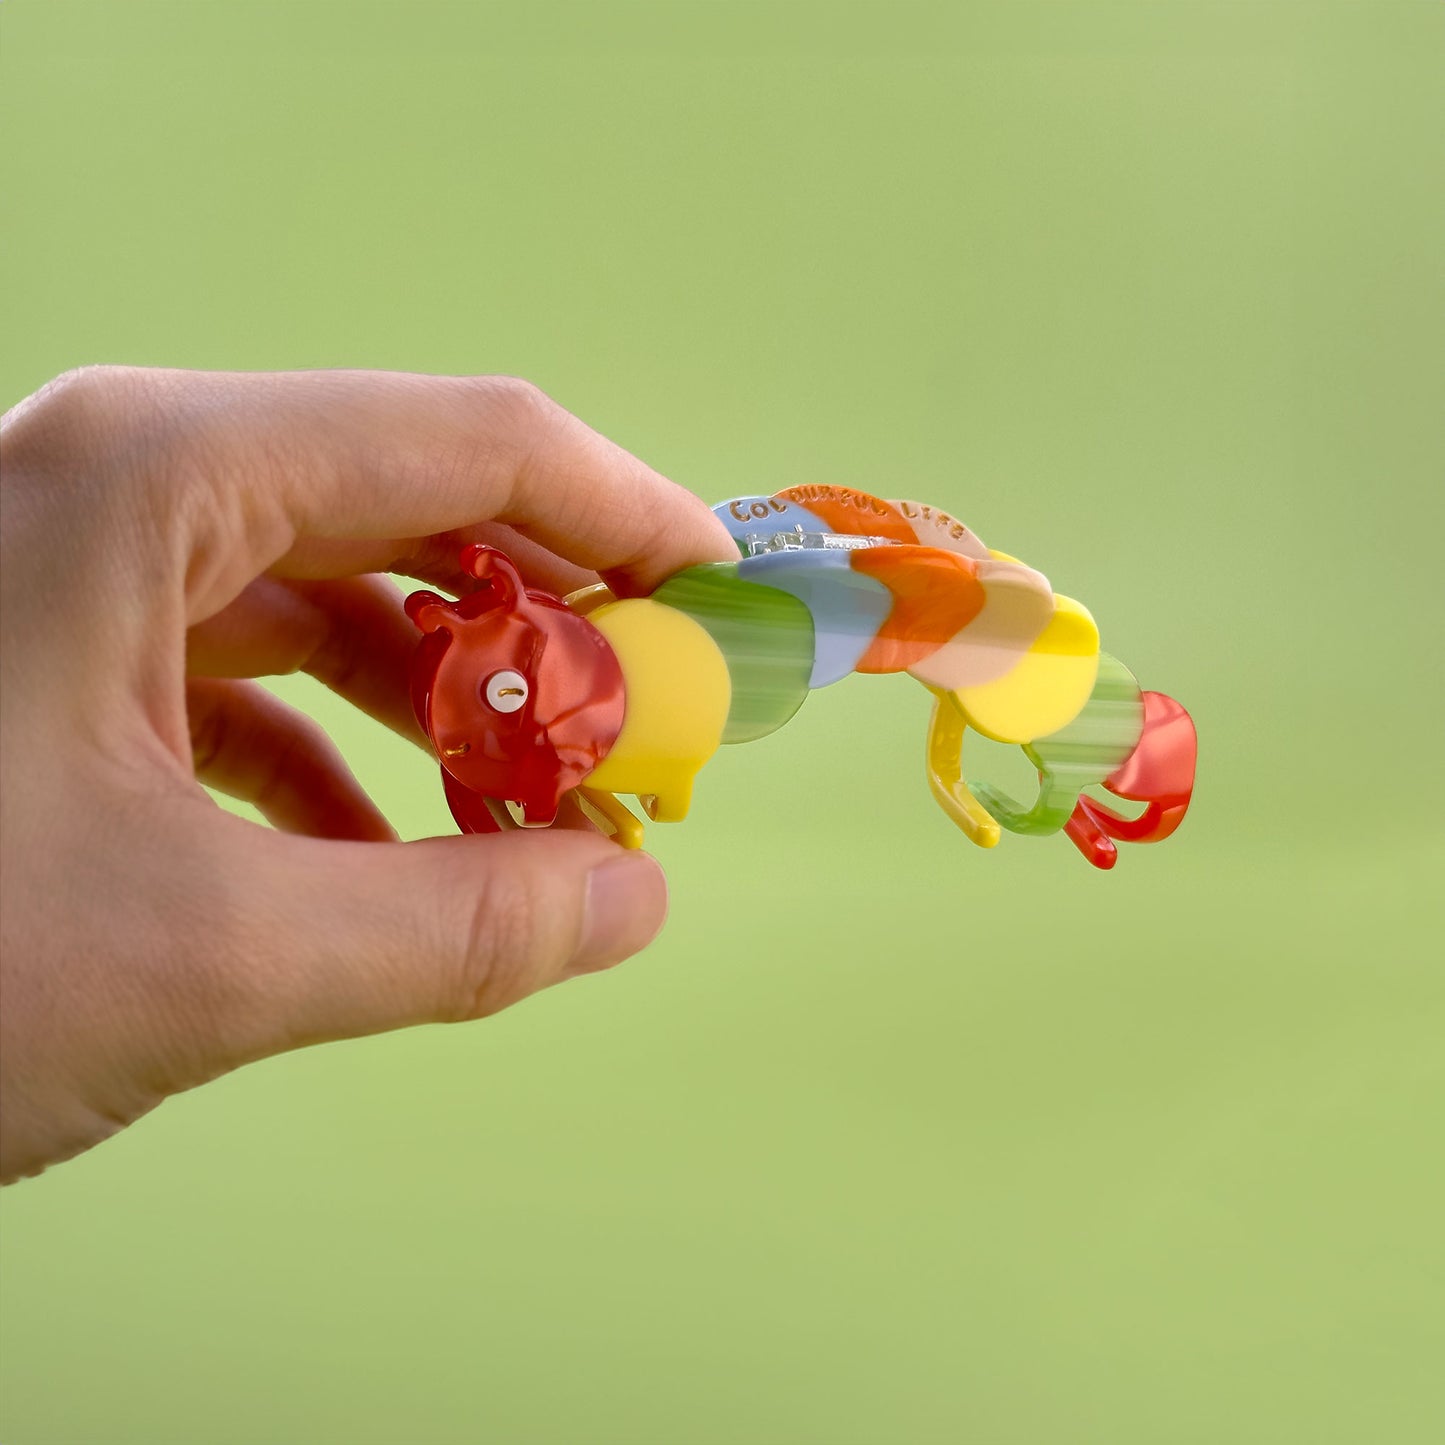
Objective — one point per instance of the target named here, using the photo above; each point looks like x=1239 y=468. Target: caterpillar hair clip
x=528 y=697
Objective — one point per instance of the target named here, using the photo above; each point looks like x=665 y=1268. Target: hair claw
x=527 y=698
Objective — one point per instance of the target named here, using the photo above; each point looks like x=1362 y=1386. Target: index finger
x=331 y=472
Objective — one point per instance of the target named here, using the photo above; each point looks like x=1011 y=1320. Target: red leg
x=1159 y=773
x=468 y=808
x=1089 y=839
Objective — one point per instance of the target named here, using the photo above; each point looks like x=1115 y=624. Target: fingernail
x=625 y=909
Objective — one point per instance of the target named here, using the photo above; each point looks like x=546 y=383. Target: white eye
x=506 y=690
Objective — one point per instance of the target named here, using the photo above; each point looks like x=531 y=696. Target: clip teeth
x=761 y=543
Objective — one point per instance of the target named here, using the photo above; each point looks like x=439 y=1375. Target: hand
x=168 y=534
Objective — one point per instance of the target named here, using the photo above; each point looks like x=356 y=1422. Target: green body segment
x=764 y=635
x=1077 y=756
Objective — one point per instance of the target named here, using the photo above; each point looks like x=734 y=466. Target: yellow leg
x=669 y=804
x=945 y=774
x=625 y=824
x=589 y=599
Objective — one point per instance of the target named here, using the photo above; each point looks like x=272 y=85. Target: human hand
x=167 y=535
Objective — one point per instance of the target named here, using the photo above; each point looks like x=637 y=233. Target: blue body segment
x=847 y=607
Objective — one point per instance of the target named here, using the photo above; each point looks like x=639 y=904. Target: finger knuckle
x=62 y=423
x=337 y=655
x=87 y=389
x=209 y=727
x=506 y=949
x=516 y=396
x=519 y=416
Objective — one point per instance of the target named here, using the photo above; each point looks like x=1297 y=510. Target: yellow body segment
x=1047 y=688
x=678 y=694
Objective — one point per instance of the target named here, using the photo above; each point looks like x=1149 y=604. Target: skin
x=166 y=536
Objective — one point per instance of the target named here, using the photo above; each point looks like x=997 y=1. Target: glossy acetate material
x=529 y=751
x=527 y=698
x=1085 y=752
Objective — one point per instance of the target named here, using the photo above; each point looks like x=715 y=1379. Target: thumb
x=345 y=939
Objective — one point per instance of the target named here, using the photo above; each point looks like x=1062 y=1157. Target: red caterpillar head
x=520 y=697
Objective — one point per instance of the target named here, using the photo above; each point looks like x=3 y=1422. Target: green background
x=886 y=1139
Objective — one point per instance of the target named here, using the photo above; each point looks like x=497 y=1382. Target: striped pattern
x=930 y=600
